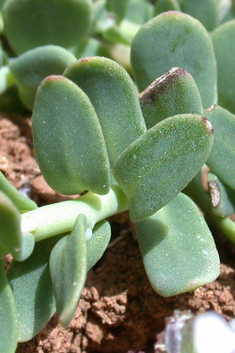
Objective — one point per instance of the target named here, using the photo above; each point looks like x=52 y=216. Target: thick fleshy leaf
x=173 y=93
x=158 y=165
x=166 y=5
x=222 y=157
x=224 y=45
x=206 y=11
x=30 y=68
x=119 y=8
x=10 y=231
x=9 y=316
x=139 y=11
x=114 y=35
x=222 y=196
x=32 y=24
x=68 y=270
x=114 y=98
x=32 y=287
x=20 y=201
x=68 y=140
x=175 y=39
x=178 y=249
x=90 y=47
x=98 y=243
x=227 y=11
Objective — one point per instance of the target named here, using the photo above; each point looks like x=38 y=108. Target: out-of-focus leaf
x=224 y=46
x=175 y=39
x=158 y=165
x=178 y=249
x=139 y=12
x=100 y=17
x=119 y=8
x=221 y=159
x=226 y=10
x=31 y=284
x=64 y=122
x=68 y=268
x=166 y=5
x=173 y=93
x=91 y=47
x=114 y=98
x=32 y=24
x=222 y=196
x=30 y=68
x=114 y=35
x=9 y=316
x=206 y=11
x=22 y=202
x=98 y=243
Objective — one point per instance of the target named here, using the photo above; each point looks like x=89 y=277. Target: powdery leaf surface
x=119 y=311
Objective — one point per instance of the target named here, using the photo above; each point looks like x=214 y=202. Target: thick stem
x=59 y=218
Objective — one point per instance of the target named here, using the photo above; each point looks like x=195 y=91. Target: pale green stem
x=59 y=218
x=226 y=226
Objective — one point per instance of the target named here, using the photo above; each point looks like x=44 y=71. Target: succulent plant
x=95 y=134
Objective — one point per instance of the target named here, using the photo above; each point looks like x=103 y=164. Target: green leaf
x=20 y=201
x=166 y=5
x=30 y=68
x=68 y=270
x=139 y=12
x=32 y=287
x=224 y=45
x=10 y=231
x=196 y=191
x=174 y=39
x=206 y=11
x=222 y=196
x=178 y=249
x=114 y=35
x=68 y=140
x=119 y=8
x=221 y=159
x=99 y=17
x=41 y=22
x=98 y=243
x=227 y=11
x=90 y=47
x=114 y=98
x=9 y=316
x=173 y=93
x=158 y=165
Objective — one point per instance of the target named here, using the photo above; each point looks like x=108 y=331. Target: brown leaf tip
x=208 y=124
x=211 y=108
x=84 y=60
x=215 y=193
x=160 y=84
